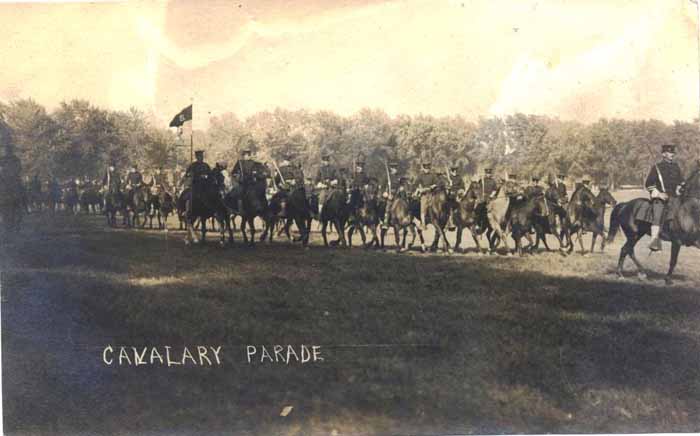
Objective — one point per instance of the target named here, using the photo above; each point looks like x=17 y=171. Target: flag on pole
x=182 y=116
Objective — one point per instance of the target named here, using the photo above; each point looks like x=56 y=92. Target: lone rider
x=664 y=183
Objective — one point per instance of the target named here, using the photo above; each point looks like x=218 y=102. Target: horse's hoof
x=668 y=281
x=450 y=251
x=510 y=253
x=187 y=243
x=642 y=275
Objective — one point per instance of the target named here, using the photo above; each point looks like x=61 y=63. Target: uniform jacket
x=671 y=174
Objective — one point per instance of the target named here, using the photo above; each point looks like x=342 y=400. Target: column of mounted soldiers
x=664 y=182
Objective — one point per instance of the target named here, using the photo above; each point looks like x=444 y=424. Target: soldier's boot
x=385 y=221
x=655 y=244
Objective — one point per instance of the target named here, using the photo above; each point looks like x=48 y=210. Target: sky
x=572 y=59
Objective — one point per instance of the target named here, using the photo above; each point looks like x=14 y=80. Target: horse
x=683 y=227
x=160 y=205
x=115 y=202
x=71 y=198
x=286 y=208
x=137 y=205
x=403 y=218
x=438 y=215
x=582 y=214
x=550 y=218
x=254 y=204
x=495 y=215
x=90 y=199
x=364 y=211
x=464 y=215
x=206 y=203
x=524 y=212
x=603 y=199
x=335 y=210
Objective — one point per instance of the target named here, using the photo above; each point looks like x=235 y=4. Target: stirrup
x=655 y=245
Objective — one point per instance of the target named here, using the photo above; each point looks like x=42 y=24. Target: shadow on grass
x=418 y=344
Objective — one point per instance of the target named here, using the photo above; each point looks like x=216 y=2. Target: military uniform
x=663 y=183
x=425 y=182
x=326 y=179
x=535 y=189
x=134 y=179
x=488 y=185
x=196 y=177
x=112 y=182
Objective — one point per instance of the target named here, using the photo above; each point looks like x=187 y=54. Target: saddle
x=643 y=210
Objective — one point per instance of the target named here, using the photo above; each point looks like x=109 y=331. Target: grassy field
x=412 y=343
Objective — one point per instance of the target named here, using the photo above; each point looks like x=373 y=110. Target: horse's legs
x=251 y=226
x=628 y=250
x=476 y=240
x=203 y=221
x=579 y=235
x=324 y=224
x=675 y=249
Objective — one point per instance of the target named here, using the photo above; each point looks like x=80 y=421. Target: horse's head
x=692 y=183
x=605 y=197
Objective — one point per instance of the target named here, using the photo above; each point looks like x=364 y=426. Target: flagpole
x=192 y=132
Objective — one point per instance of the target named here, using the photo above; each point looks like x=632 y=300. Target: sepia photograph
x=350 y=217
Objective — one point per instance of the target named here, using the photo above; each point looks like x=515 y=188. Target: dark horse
x=584 y=212
x=207 y=203
x=115 y=202
x=524 y=212
x=682 y=228
x=160 y=205
x=335 y=210
x=550 y=218
x=254 y=205
x=465 y=216
x=90 y=199
x=364 y=212
x=137 y=205
x=603 y=198
x=287 y=207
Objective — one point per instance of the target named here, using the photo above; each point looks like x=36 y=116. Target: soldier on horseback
x=197 y=174
x=326 y=180
x=426 y=182
x=393 y=187
x=159 y=180
x=560 y=184
x=244 y=172
x=455 y=190
x=111 y=181
x=217 y=174
x=664 y=183
x=134 y=181
x=534 y=189
x=360 y=178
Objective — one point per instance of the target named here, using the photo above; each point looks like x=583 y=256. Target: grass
x=420 y=344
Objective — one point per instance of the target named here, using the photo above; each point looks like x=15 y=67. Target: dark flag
x=181 y=117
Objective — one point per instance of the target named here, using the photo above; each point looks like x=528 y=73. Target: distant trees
x=79 y=139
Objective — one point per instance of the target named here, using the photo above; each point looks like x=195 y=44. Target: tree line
x=79 y=139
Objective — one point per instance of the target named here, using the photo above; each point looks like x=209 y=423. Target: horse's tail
x=615 y=221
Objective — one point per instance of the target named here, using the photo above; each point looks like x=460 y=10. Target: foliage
x=80 y=139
